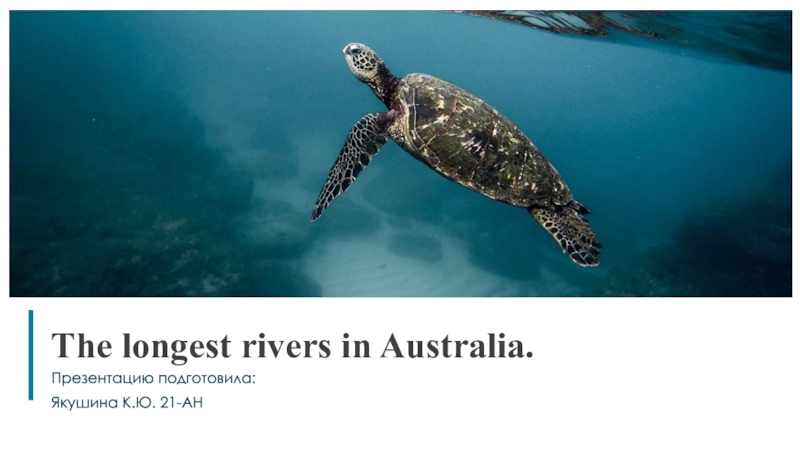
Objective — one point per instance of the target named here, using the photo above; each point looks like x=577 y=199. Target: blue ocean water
x=181 y=153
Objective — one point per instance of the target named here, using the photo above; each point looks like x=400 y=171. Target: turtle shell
x=466 y=140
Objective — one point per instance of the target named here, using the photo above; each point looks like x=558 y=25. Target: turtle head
x=369 y=68
x=365 y=64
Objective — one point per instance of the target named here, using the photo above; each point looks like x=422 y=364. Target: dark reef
x=276 y=278
x=94 y=218
x=735 y=246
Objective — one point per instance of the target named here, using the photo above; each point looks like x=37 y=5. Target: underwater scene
x=182 y=153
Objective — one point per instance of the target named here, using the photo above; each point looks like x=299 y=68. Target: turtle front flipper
x=571 y=231
x=365 y=139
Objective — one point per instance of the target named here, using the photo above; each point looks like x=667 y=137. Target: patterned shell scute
x=466 y=140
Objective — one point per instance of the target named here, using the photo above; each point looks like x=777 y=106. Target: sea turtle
x=464 y=139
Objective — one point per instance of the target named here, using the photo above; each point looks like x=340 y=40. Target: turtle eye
x=355 y=51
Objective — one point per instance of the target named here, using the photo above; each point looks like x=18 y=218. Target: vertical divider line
x=30 y=354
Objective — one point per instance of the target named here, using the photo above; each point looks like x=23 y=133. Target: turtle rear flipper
x=571 y=231
x=365 y=139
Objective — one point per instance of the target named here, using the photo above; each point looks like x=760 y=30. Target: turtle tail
x=571 y=231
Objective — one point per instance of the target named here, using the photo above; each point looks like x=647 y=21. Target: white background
x=638 y=373
x=605 y=373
